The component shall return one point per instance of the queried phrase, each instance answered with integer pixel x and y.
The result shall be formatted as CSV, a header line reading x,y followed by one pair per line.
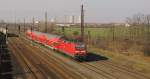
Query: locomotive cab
x,y
80,50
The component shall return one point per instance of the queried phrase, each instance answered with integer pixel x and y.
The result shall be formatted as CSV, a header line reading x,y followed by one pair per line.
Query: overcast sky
x,y
95,10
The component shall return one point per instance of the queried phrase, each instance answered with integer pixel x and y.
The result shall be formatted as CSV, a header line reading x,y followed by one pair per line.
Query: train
x,y
76,49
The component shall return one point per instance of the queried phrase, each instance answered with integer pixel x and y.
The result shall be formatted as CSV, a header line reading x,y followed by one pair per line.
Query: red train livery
x,y
55,42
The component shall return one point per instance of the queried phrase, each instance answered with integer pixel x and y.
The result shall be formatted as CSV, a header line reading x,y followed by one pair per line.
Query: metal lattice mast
x,y
82,23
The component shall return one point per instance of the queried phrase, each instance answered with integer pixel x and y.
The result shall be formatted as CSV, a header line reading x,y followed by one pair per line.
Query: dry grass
x,y
136,62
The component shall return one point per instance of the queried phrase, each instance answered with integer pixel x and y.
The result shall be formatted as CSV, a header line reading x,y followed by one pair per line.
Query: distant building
x,y
127,25
63,25
53,20
72,19
79,19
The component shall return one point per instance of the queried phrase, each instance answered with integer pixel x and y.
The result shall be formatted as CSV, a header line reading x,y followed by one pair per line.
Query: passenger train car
x,y
74,49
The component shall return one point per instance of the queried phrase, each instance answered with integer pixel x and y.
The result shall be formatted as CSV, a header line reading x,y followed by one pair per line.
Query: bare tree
x,y
129,20
147,18
136,19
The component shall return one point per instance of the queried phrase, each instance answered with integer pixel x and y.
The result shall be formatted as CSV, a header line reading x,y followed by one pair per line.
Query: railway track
x,y
123,69
115,72
66,68
31,71
127,69
24,64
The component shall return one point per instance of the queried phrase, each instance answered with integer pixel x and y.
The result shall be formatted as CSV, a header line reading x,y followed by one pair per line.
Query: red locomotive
x,y
74,49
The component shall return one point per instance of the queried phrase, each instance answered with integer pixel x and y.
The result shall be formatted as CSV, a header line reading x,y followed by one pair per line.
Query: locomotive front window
x,y
80,46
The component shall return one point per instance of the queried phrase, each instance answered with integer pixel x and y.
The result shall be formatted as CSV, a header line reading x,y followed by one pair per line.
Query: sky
x,y
95,10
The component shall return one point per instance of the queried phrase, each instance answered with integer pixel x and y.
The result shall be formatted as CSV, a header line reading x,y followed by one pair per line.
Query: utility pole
x,y
15,23
6,34
15,26
82,27
38,26
24,25
63,27
19,29
32,26
33,23
45,22
82,23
